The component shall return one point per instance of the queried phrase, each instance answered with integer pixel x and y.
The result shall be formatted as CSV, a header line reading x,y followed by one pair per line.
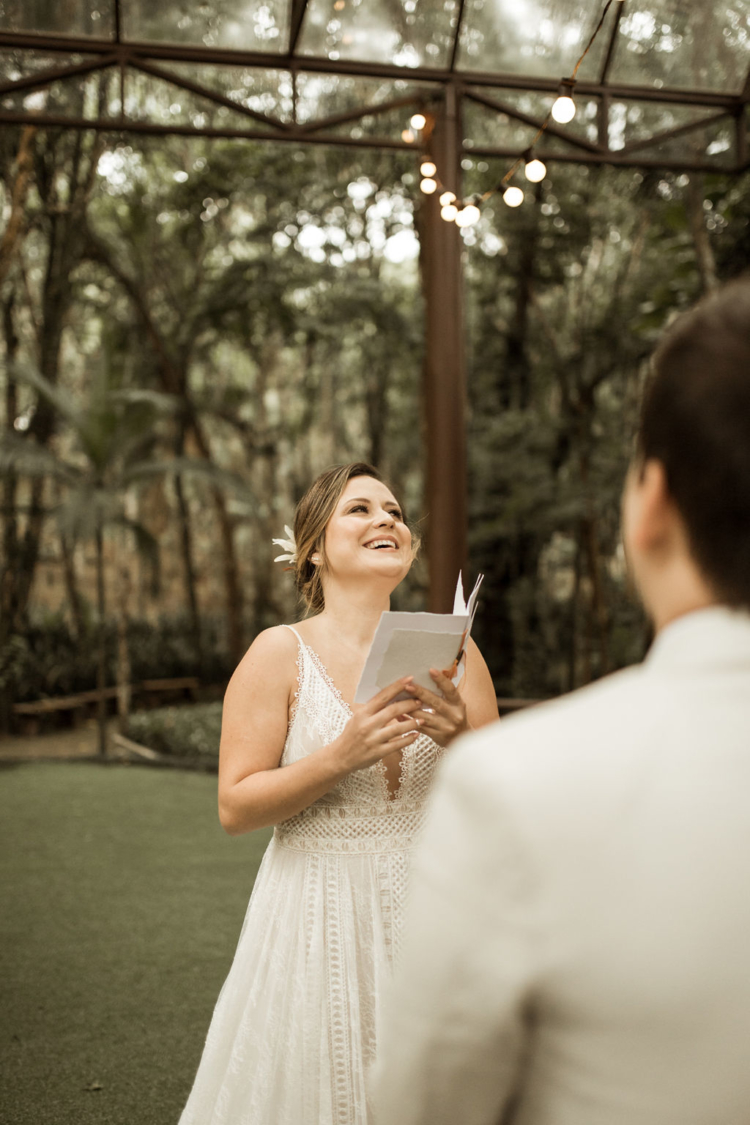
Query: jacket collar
x,y
706,638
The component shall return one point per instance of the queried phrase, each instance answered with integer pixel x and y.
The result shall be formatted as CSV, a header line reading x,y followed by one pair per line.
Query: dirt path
x,y
65,745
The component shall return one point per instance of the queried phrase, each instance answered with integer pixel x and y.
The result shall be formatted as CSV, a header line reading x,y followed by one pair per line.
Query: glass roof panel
x,y
631,122
404,32
68,17
265,91
93,96
322,95
148,98
541,38
683,43
240,25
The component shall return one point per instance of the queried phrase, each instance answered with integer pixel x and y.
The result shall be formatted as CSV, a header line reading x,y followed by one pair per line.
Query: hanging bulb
x,y
427,168
535,169
447,197
408,136
448,212
428,186
513,196
564,109
418,122
468,215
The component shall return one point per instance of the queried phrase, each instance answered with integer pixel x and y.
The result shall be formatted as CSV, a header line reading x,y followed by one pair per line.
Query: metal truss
x,y
431,87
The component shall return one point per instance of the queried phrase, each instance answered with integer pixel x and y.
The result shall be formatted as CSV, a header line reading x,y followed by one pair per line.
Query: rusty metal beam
x,y
299,7
56,74
457,36
446,476
124,125
344,67
534,122
619,9
204,92
669,134
353,115
610,158
120,125
745,95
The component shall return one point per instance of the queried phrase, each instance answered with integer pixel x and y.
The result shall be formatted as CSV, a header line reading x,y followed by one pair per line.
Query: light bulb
x,y
446,198
564,109
427,168
535,171
408,136
448,212
428,186
513,196
418,121
468,215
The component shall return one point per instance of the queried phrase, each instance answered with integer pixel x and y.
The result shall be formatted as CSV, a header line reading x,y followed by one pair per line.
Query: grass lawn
x,y
122,902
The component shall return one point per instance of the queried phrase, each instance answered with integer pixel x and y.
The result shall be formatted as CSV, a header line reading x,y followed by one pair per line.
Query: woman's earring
x,y
315,559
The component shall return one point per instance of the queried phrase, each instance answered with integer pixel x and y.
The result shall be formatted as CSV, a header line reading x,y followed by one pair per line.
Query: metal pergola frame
x,y
442,92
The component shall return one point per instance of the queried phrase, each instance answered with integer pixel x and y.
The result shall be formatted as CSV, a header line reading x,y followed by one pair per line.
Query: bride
x,y
296,1024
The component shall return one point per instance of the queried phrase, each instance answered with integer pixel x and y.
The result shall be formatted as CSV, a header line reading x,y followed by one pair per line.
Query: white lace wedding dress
x,y
296,1024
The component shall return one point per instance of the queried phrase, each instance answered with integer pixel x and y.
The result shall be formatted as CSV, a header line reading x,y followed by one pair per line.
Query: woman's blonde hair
x,y
310,521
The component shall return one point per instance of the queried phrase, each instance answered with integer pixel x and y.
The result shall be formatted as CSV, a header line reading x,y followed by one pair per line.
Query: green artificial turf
x,y
121,905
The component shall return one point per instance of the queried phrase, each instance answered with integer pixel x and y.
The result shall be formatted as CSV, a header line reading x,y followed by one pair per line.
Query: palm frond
x,y
147,546
22,455
63,402
190,466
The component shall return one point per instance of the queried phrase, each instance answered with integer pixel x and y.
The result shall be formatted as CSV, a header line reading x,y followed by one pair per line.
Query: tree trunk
x,y
71,588
186,547
13,233
704,254
124,671
101,669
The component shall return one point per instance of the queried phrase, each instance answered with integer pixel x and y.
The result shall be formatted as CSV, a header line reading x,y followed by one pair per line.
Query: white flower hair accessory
x,y
289,546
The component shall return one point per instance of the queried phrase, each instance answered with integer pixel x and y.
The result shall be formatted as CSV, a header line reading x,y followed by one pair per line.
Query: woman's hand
x,y
378,727
442,717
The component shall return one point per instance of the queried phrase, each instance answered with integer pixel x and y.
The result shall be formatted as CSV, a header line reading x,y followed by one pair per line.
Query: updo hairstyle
x,y
310,521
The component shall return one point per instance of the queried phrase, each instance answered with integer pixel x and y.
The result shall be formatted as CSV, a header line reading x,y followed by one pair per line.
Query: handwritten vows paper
x,y
409,644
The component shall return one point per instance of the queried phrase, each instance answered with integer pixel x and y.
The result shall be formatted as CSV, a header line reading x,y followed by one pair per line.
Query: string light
x,y
535,169
564,109
513,196
418,122
468,215
408,136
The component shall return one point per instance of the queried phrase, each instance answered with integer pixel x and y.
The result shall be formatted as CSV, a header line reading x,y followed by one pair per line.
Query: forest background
x,y
193,329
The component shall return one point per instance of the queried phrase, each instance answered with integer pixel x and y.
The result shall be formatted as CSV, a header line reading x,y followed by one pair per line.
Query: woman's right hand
x,y
378,727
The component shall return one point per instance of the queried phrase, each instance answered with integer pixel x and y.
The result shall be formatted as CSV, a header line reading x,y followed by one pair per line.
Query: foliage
x,y
273,296
191,733
50,660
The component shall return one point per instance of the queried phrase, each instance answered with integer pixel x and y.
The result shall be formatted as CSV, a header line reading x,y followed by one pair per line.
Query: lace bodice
x,y
359,814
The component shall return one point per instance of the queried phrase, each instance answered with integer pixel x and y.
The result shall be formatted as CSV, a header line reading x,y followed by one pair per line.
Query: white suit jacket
x,y
577,941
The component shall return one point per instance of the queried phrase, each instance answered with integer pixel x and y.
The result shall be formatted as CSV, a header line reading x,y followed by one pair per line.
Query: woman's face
x,y
366,536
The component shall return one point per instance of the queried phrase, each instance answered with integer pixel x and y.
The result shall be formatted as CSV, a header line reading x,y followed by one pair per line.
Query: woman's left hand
x,y
446,717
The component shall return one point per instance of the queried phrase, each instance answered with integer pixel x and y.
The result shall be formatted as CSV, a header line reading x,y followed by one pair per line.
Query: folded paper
x,y
409,644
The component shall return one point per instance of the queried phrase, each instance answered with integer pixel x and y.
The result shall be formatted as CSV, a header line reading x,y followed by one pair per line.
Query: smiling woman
x,y
296,1025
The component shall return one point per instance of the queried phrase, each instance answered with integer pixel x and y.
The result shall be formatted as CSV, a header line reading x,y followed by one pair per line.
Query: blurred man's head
x,y
686,510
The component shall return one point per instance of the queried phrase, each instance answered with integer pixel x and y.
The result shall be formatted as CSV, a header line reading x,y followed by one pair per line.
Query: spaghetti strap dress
x,y
296,1024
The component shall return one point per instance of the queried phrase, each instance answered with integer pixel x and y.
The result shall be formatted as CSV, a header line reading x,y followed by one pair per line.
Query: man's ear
x,y
655,509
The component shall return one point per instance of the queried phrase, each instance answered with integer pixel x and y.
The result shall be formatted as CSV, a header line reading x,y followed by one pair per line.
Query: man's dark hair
x,y
695,420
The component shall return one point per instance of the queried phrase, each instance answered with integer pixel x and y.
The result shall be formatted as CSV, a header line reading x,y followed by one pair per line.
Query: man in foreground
x,y
577,947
